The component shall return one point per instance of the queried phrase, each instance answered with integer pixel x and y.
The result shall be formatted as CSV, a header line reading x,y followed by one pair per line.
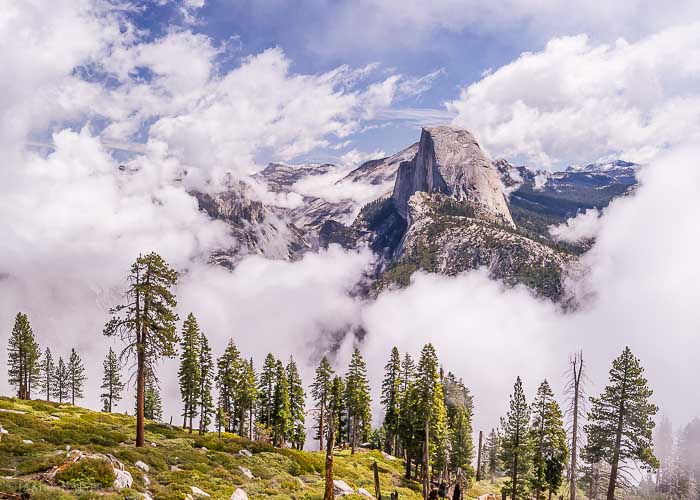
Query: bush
x,y
90,473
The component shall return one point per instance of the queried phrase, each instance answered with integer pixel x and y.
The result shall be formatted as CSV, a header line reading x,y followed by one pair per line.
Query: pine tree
x,y
391,393
358,399
23,353
205,401
266,390
430,408
248,391
663,450
461,444
549,449
335,406
493,446
281,416
111,382
411,430
48,370
320,391
515,443
76,376
60,382
620,422
189,373
297,403
153,405
146,323
227,378
460,408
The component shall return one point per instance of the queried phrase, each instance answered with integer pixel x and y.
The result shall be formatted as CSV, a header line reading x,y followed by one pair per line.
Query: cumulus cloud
x,y
582,227
412,25
584,101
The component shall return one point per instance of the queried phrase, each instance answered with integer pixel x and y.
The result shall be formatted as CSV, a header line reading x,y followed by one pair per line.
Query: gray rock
x,y
122,479
27,441
246,472
341,488
364,493
142,466
239,494
199,493
244,453
450,161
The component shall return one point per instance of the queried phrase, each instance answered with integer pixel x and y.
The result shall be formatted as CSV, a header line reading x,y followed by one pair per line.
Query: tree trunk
x,y
250,422
618,440
408,466
425,466
353,438
478,457
377,489
140,395
577,372
328,492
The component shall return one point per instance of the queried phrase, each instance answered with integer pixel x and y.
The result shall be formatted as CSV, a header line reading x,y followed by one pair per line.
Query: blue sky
x,y
455,44
302,29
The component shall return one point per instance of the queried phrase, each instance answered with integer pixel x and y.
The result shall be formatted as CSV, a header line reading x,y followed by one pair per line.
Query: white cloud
x,y
582,227
582,101
414,25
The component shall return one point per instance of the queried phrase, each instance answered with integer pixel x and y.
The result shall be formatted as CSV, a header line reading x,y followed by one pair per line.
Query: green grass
x,y
179,460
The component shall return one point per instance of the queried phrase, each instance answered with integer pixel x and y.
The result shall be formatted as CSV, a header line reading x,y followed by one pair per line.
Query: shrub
x,y
90,473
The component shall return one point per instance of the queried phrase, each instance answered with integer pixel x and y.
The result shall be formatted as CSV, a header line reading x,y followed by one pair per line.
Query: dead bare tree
x,y
575,412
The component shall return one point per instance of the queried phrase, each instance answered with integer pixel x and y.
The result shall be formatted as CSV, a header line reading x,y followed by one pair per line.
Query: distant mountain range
x,y
440,205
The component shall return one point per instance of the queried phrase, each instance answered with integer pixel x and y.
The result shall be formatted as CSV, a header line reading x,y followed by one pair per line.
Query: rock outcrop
x,y
449,161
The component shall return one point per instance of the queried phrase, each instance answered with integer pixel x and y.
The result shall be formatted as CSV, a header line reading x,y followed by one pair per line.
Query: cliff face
x,y
444,237
449,161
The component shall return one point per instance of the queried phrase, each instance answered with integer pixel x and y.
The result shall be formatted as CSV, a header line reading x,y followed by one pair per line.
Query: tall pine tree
x,y
205,401
620,422
335,405
76,376
153,405
248,391
60,382
281,415
266,390
23,357
48,370
492,448
146,323
516,446
358,399
549,449
297,403
112,384
430,408
227,378
189,373
320,391
460,407
391,396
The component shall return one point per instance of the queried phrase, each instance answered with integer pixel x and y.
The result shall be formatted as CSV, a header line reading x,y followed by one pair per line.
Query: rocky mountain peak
x,y
449,161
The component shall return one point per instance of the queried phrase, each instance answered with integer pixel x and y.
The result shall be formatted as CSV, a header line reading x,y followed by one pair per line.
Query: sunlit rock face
x,y
449,161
